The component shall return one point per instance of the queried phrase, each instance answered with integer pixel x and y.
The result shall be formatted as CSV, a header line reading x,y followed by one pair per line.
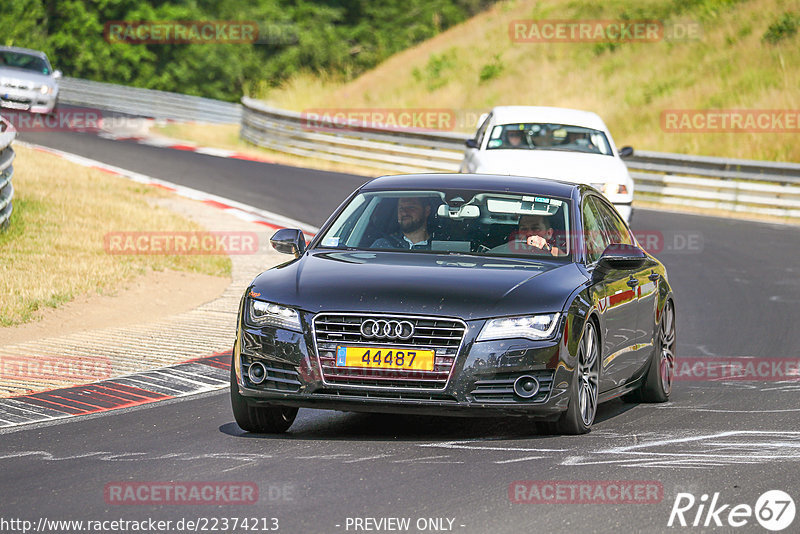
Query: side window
x,y
482,130
616,230
593,231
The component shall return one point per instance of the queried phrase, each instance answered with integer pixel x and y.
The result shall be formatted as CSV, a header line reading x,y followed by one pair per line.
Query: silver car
x,y
27,81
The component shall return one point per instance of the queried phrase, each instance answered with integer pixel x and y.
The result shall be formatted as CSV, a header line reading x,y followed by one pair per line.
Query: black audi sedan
x,y
457,294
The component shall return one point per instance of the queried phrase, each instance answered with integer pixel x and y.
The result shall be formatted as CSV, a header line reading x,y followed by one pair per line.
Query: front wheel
x,y
259,419
580,414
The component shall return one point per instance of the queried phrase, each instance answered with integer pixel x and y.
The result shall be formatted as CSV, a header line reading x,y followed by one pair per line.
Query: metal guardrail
x,y
759,187
387,149
146,102
748,186
704,182
7,135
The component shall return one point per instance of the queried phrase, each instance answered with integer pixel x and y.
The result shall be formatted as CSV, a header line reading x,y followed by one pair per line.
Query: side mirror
x,y
289,241
57,74
471,143
619,257
626,152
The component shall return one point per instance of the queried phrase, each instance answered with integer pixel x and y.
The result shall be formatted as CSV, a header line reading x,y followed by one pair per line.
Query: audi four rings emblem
x,y
390,329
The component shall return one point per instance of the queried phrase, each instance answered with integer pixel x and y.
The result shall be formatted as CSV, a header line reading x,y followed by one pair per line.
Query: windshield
x,y
453,221
538,136
20,60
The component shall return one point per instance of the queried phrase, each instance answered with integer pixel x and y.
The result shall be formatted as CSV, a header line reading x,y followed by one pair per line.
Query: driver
x,y
534,235
412,216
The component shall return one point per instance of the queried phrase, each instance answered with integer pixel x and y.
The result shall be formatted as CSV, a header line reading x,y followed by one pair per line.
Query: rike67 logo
x,y
774,510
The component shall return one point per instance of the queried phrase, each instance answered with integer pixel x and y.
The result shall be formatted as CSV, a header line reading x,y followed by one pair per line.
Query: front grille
x,y
442,335
280,376
16,99
500,388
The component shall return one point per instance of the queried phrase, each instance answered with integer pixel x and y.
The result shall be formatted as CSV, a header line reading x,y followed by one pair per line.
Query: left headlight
x,y
46,90
268,313
531,327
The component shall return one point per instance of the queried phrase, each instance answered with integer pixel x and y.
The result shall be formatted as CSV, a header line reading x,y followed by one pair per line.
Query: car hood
x,y
556,165
468,287
28,76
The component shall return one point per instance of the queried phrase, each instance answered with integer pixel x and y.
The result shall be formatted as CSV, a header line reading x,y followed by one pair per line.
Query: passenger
x,y
412,216
582,140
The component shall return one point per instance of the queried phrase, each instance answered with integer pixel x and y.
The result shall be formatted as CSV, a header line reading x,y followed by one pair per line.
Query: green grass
x,y
53,249
785,27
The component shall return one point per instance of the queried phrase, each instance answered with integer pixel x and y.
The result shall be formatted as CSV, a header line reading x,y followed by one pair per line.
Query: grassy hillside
x,y
748,57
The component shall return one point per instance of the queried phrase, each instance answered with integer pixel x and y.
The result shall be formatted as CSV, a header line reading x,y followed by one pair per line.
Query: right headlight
x,y
270,314
530,326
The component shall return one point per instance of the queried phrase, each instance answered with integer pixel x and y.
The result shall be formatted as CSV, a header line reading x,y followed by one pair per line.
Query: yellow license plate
x,y
385,358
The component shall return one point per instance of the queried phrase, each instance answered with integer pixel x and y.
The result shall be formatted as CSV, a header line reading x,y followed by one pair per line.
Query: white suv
x,y
555,143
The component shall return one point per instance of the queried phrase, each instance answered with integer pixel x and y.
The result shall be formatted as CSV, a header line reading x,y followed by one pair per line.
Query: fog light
x,y
257,373
526,386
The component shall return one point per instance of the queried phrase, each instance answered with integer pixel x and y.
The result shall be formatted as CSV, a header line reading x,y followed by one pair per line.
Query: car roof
x,y
476,182
29,51
548,115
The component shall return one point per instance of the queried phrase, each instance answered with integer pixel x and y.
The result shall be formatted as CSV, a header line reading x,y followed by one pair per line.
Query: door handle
x,y
654,277
633,282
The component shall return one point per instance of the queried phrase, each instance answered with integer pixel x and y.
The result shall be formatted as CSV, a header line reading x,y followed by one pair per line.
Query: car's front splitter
x,y
342,401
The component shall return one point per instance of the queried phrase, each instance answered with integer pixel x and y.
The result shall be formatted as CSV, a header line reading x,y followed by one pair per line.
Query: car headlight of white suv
x,y
611,188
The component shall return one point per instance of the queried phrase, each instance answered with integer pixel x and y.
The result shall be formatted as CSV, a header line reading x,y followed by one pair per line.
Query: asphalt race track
x,y
737,290
303,194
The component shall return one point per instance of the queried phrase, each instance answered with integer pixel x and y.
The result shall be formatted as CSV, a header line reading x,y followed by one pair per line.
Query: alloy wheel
x,y
588,375
667,341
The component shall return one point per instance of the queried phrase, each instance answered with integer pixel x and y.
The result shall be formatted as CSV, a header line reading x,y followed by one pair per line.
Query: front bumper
x,y
480,383
27,100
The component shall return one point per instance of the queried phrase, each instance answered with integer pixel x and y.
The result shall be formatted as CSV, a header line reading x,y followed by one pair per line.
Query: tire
x,y
657,386
259,419
579,416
